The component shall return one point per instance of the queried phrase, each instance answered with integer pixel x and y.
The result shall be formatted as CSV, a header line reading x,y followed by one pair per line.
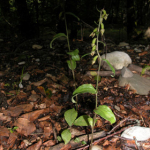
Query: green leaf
x,y
106,113
85,88
111,67
70,116
66,135
77,140
57,36
71,64
83,142
145,69
85,55
70,13
83,121
74,55
59,138
14,128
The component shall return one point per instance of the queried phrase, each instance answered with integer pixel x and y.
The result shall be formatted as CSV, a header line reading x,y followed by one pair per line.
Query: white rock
x,y
96,147
140,133
21,63
126,73
117,59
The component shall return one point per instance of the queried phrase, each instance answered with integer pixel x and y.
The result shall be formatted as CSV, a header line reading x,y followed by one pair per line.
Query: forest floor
x,y
32,117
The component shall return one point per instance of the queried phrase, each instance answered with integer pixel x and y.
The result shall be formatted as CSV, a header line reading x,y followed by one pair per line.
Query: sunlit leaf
x,y
82,121
85,88
106,113
70,116
66,135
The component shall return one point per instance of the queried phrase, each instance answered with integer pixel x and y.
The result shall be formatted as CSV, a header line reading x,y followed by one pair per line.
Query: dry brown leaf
x,y
34,97
40,82
49,143
34,114
12,139
25,127
54,108
16,111
36,146
143,53
4,131
44,118
48,131
5,118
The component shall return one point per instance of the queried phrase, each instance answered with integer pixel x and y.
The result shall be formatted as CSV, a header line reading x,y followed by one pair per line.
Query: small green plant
x,y
71,115
74,55
13,129
145,69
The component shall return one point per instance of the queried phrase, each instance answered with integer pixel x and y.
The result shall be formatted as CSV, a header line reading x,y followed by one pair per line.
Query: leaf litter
x,y
38,109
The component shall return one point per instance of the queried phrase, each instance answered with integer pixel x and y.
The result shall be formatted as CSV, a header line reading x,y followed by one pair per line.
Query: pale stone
x,y
117,59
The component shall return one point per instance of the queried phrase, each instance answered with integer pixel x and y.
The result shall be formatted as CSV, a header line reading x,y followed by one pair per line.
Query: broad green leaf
x,y
145,69
85,88
82,121
70,116
57,36
71,64
70,13
74,55
66,135
106,113
111,67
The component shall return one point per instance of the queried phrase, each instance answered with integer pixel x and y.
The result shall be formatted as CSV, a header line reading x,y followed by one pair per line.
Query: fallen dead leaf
x,y
36,146
16,111
25,127
49,143
4,131
34,114
5,118
48,131
34,97
143,53
12,139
